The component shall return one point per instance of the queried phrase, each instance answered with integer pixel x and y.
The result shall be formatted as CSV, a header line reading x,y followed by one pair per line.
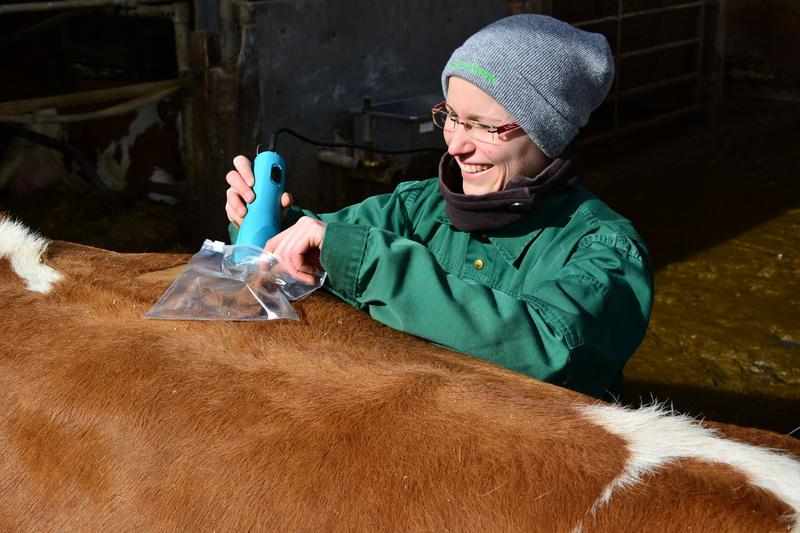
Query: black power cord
x,y
274,139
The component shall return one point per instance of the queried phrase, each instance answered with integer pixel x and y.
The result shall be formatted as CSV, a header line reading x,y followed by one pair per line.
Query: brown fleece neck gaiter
x,y
520,197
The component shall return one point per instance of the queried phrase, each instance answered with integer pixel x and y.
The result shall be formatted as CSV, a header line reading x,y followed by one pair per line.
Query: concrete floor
x,y
720,210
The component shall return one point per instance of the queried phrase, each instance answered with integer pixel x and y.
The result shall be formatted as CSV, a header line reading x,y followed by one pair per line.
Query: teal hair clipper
x,y
263,219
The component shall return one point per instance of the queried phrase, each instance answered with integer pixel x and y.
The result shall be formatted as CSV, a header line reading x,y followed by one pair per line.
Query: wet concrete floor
x,y
720,211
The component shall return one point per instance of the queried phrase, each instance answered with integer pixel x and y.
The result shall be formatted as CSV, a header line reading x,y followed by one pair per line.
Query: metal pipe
x,y
166,11
347,161
658,84
339,160
38,7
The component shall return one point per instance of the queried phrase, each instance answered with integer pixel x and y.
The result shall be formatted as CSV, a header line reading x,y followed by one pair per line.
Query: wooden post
x,y
718,61
246,78
215,126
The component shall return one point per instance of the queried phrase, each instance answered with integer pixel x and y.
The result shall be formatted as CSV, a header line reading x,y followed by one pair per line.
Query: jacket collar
x,y
513,240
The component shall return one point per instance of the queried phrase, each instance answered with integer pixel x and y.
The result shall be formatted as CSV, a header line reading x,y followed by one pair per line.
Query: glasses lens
x,y
442,119
475,130
480,132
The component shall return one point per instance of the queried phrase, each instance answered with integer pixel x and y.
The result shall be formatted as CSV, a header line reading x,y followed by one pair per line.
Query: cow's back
x,y
333,422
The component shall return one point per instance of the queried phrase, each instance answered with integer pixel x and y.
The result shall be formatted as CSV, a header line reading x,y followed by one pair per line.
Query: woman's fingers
x,y
300,272
298,248
240,193
289,251
286,201
234,200
235,207
237,183
245,169
233,217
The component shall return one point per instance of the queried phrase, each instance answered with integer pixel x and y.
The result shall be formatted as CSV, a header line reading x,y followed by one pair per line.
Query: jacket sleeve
x,y
577,329
385,211
598,307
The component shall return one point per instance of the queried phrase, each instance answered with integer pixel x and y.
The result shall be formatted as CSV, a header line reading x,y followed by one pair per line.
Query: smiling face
x,y
487,167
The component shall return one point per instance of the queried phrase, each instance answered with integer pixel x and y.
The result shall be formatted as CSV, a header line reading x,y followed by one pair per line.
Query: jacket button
x,y
478,264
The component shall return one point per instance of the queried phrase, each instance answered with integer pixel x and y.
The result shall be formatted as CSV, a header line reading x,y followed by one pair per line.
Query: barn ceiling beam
x,y
33,7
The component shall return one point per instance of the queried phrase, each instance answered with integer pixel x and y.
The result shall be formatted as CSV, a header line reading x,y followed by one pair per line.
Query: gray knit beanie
x,y
549,75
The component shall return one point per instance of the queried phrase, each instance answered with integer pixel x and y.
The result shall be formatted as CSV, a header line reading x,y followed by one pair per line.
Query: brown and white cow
x,y
333,423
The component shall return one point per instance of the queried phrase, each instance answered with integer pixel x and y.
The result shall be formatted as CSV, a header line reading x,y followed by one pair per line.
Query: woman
x,y
504,256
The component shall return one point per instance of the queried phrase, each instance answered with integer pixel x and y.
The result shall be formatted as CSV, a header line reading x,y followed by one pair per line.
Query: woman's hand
x,y
299,247
241,182
240,192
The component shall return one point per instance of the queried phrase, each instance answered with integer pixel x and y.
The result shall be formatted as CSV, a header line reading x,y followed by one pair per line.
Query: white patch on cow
x,y
113,172
24,249
162,176
656,437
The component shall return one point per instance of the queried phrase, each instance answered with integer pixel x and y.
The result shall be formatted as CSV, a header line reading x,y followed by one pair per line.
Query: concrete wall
x,y
318,58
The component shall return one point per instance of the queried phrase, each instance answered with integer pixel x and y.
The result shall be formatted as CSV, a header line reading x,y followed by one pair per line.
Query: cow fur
x,y
333,423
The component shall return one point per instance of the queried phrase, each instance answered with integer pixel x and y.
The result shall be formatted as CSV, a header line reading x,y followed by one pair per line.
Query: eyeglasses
x,y
447,120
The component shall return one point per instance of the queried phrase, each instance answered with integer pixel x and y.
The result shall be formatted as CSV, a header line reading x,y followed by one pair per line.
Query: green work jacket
x,y
563,295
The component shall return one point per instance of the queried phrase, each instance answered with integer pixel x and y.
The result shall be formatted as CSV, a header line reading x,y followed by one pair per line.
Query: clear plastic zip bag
x,y
232,282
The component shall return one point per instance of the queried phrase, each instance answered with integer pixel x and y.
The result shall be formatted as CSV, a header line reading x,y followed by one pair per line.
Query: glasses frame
x,y
494,130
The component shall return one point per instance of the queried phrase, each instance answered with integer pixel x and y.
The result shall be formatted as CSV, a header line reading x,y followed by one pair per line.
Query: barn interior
x,y
119,121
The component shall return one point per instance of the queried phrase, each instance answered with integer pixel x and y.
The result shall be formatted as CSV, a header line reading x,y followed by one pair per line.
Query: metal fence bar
x,y
592,22
659,84
638,125
665,9
617,94
640,13
660,47
617,67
